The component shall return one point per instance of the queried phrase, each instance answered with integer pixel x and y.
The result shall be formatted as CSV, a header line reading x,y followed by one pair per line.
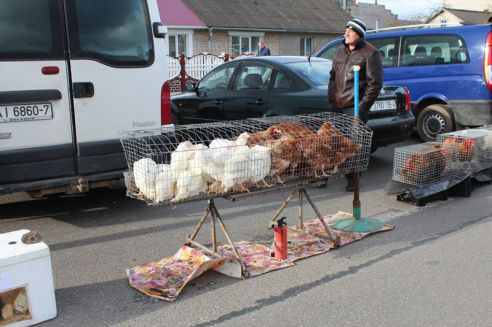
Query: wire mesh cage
x,y
422,165
202,161
469,149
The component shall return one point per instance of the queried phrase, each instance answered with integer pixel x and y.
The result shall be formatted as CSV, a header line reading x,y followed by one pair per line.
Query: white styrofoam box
x,y
29,266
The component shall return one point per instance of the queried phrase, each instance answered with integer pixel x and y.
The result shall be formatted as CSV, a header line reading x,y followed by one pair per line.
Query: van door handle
x,y
259,102
83,90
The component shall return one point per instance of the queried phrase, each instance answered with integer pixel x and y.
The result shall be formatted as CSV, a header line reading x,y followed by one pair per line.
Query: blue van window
x,y
30,29
388,49
433,50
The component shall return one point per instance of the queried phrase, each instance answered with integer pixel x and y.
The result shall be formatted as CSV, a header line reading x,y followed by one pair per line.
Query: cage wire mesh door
x,y
204,161
469,149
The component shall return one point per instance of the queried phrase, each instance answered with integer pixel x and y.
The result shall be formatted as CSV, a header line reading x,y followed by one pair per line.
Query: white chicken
x,y
180,158
242,139
237,169
144,174
260,163
164,185
220,150
190,183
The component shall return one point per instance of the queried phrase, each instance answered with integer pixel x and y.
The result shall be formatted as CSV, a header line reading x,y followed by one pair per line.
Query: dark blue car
x,y
448,71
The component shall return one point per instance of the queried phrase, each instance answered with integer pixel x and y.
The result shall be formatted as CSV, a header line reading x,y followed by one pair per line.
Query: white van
x,y
73,75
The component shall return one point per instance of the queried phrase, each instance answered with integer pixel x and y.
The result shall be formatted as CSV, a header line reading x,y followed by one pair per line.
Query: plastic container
x,y
27,294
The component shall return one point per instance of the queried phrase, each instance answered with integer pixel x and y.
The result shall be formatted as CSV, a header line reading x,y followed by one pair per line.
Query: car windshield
x,y
317,72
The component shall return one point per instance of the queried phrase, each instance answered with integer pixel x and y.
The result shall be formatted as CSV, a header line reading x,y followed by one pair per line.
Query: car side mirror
x,y
191,87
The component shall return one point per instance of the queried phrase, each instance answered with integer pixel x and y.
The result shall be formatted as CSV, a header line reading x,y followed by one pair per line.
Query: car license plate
x,y
25,112
383,105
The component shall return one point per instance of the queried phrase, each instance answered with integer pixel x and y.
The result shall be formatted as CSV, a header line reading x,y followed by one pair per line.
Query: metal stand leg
x,y
302,191
301,215
215,217
331,234
282,207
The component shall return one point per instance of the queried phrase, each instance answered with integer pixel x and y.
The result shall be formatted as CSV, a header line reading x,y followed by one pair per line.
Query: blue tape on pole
x,y
356,91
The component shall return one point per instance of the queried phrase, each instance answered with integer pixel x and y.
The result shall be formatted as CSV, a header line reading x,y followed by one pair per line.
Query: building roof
x,y
276,15
176,13
468,17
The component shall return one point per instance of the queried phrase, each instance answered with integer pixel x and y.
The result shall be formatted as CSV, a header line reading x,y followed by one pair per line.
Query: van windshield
x,y
114,32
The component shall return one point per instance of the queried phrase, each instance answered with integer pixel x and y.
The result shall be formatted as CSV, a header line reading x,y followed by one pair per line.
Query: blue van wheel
x,y
433,120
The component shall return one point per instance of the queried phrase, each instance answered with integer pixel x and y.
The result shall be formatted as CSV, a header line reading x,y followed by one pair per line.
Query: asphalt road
x,y
434,269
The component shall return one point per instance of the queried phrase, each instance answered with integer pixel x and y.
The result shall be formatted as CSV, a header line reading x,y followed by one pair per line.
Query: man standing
x,y
355,51
263,50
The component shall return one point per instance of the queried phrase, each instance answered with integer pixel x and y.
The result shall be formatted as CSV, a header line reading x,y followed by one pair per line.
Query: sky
x,y
407,9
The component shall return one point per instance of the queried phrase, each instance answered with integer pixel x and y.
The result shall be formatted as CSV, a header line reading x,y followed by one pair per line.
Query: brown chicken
x,y
296,129
286,155
327,129
466,149
424,167
457,148
272,133
318,154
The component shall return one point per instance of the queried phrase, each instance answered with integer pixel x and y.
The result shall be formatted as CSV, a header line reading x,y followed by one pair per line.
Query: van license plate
x,y
25,112
384,105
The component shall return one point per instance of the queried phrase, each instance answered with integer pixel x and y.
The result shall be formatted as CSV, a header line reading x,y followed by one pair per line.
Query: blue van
x,y
448,71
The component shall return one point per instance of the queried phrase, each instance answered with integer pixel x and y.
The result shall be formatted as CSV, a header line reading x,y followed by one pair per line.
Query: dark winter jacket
x,y
264,52
341,85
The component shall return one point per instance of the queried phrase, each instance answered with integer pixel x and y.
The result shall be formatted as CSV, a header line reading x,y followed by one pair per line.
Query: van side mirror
x,y
159,30
191,87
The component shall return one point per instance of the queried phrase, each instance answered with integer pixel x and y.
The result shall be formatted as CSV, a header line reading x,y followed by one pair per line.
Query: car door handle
x,y
259,102
219,101
83,90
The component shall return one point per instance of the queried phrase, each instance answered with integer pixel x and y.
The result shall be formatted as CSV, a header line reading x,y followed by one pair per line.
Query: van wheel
x,y
433,120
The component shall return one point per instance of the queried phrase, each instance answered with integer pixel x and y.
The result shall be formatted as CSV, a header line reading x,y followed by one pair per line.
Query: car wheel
x,y
174,119
433,120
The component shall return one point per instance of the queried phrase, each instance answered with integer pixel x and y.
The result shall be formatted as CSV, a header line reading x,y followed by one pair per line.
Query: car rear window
x,y
317,72
116,33
30,29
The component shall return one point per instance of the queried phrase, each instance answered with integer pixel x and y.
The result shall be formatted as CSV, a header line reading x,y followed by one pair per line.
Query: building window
x,y
306,46
244,44
177,44
444,22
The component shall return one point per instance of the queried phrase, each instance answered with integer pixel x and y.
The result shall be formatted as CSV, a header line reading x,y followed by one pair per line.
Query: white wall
x,y
478,5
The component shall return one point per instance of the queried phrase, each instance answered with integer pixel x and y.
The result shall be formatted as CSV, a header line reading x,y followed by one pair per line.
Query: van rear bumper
x,y
472,113
69,185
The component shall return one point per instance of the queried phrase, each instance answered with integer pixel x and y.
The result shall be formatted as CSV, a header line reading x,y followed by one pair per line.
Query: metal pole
x,y
357,224
356,202
301,215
